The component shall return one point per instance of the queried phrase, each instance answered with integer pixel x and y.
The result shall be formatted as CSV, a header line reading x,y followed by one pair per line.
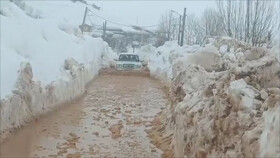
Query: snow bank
x,y
45,60
225,98
160,59
270,137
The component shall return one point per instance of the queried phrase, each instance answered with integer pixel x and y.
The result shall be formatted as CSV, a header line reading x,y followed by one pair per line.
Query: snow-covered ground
x,y
225,97
45,60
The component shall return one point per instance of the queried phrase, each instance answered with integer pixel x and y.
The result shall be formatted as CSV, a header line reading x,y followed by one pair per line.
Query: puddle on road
x,y
110,121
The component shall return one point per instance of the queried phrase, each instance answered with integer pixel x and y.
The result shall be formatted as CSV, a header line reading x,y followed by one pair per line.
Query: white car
x,y
128,62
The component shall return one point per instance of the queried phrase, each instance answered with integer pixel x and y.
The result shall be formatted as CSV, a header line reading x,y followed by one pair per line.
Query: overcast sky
x,y
146,12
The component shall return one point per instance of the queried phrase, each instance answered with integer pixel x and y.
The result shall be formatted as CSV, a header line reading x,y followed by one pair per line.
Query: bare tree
x,y
259,25
167,29
194,32
229,18
255,27
168,25
247,21
263,21
225,15
212,23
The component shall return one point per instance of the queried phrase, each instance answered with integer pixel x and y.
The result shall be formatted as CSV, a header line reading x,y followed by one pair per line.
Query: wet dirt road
x,y
110,121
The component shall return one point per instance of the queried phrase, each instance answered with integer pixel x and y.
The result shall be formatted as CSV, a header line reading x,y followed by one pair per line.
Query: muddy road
x,y
110,121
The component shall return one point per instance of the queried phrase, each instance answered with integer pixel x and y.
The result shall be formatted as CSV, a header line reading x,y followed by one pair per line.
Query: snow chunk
x,y
246,92
223,49
240,57
240,87
208,57
255,53
230,56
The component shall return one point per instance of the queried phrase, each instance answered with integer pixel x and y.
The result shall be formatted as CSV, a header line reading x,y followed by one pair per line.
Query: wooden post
x,y
104,30
84,20
179,29
183,27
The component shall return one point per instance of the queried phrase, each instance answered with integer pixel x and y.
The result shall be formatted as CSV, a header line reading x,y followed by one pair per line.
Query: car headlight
x,y
119,65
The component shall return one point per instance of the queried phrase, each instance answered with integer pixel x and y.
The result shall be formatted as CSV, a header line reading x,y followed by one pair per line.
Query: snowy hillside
x,y
45,41
45,60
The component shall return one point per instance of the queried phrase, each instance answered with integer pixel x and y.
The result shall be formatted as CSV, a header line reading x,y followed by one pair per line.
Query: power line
x,y
110,20
126,25
60,5
90,20
160,23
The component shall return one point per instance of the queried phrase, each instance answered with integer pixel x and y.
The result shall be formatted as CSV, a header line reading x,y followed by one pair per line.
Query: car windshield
x,y
129,57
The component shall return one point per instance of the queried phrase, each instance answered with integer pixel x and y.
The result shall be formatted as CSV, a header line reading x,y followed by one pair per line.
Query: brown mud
x,y
111,120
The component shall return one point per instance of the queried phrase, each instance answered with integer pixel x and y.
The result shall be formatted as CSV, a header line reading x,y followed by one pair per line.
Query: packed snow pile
x,y
45,60
160,59
225,98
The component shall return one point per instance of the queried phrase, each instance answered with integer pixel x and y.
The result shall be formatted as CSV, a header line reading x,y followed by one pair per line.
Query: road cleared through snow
x,y
110,121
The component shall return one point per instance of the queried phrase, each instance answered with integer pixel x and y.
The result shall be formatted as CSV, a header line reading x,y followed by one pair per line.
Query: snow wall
x,y
45,60
225,97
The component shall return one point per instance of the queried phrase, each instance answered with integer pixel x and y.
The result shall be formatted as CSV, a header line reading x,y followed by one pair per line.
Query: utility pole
x,y
104,30
229,18
84,20
183,27
179,29
247,22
